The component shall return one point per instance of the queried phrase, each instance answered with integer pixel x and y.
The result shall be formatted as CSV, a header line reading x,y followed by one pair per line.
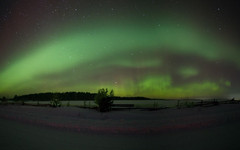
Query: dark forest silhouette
x,y
74,96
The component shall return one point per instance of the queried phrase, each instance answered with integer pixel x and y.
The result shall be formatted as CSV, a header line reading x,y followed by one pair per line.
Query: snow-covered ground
x,y
29,127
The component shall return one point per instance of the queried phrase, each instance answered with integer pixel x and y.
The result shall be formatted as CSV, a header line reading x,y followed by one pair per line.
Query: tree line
x,y
60,96
64,97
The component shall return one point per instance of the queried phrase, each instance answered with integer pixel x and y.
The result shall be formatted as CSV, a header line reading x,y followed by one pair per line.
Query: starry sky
x,y
152,48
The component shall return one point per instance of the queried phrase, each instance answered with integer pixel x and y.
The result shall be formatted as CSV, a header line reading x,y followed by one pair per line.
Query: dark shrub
x,y
4,101
104,100
55,103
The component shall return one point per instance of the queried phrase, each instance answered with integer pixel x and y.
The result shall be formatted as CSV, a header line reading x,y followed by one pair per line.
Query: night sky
x,y
151,48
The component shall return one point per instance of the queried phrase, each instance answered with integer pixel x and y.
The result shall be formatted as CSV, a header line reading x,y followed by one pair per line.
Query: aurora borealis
x,y
156,49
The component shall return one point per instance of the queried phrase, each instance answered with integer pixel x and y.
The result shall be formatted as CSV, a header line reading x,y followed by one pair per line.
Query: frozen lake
x,y
137,103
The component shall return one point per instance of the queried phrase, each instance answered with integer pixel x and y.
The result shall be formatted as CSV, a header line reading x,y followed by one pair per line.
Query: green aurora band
x,y
119,56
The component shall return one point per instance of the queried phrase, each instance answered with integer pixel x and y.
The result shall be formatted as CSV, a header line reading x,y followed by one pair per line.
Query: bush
x,y
185,104
155,105
22,102
68,104
189,104
55,103
4,101
104,100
